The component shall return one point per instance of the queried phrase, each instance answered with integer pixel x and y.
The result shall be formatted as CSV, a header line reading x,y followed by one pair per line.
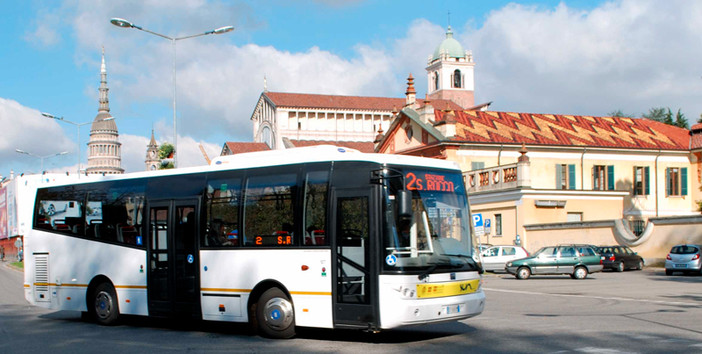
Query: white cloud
x,y
26,129
629,55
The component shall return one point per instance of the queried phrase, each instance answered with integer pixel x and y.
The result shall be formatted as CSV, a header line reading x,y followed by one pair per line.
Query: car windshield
x,y
436,232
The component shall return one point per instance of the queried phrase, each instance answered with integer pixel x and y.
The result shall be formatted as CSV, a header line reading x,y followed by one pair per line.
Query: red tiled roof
x,y
361,146
305,100
239,147
566,130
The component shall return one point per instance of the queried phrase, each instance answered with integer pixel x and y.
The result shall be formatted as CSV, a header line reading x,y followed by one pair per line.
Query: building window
x,y
477,165
676,181
498,224
575,217
565,176
436,80
457,79
637,226
641,176
603,178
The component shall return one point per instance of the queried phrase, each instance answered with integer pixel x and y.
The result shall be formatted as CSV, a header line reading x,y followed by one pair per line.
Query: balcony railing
x,y
498,177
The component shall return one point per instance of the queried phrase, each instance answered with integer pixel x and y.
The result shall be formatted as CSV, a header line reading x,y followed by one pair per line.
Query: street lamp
x,y
41,157
78,125
120,22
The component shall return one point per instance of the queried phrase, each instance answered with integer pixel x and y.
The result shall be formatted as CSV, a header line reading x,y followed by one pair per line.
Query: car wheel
x,y
668,272
580,273
105,309
275,316
523,273
639,265
620,267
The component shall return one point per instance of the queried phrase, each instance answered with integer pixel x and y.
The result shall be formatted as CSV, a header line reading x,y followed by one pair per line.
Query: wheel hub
x,y
278,313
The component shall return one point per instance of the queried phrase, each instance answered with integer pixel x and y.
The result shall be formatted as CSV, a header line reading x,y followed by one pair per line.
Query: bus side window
x,y
316,187
268,213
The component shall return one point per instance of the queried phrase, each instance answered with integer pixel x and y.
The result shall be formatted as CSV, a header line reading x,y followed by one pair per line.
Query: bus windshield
x,y
435,234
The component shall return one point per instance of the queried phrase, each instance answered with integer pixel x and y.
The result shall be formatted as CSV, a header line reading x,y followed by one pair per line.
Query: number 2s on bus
x,y
321,237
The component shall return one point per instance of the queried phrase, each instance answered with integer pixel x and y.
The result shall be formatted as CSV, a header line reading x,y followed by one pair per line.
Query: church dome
x,y
102,123
450,46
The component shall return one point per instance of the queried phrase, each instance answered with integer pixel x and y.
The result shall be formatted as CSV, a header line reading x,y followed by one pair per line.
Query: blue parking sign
x,y
477,220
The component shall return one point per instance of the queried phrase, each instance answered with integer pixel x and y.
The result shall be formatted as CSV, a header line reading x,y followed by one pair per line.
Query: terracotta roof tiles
x,y
566,130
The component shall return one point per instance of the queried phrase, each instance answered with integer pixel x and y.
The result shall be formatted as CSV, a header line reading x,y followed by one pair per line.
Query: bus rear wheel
x,y
105,309
275,316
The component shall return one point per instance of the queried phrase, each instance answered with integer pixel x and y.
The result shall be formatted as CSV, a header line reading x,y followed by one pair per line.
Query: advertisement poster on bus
x,y
12,224
3,214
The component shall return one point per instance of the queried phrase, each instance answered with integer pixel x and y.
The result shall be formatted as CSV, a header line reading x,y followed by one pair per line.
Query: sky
x,y
562,57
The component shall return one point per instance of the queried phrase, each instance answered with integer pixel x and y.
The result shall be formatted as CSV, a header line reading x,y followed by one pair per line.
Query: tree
x,y
165,151
619,113
680,120
665,115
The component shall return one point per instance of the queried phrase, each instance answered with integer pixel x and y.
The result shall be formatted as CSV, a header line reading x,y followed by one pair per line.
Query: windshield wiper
x,y
427,272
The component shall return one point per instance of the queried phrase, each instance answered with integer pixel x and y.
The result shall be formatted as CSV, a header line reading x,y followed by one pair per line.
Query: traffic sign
x,y
478,225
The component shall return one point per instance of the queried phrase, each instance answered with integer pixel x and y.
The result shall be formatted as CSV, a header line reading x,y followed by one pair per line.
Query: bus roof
x,y
311,154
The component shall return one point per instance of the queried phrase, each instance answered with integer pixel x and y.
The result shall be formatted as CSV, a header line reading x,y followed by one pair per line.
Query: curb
x,y
10,266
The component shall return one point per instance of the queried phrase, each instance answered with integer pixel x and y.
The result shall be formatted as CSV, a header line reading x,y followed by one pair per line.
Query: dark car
x,y
620,258
575,260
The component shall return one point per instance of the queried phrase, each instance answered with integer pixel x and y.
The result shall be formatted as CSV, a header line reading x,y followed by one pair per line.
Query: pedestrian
x,y
2,253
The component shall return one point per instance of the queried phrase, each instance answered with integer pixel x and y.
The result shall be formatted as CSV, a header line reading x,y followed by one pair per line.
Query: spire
x,y
104,102
153,140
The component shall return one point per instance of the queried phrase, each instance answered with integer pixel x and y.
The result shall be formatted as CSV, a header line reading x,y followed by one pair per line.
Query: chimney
x,y
426,114
411,94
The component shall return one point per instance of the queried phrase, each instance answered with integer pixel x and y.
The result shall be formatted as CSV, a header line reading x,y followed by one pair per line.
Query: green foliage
x,y
165,151
619,113
680,120
665,115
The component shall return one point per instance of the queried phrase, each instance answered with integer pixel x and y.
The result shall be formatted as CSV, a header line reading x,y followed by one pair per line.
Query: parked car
x,y
683,258
576,260
483,246
495,257
620,258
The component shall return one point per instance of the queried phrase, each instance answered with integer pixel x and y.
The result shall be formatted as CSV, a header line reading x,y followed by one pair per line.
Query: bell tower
x,y
450,73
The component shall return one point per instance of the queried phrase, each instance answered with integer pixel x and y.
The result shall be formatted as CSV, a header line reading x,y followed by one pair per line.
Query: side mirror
x,y
404,204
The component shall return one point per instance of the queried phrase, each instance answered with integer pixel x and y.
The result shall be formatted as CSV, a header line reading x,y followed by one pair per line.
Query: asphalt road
x,y
631,312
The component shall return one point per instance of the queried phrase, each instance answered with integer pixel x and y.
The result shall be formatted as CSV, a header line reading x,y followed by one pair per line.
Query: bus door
x,y
173,278
355,283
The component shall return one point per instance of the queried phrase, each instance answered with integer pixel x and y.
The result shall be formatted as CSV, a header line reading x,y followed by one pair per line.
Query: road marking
x,y
662,302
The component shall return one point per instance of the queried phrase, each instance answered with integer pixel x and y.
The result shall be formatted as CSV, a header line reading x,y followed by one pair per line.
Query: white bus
x,y
322,237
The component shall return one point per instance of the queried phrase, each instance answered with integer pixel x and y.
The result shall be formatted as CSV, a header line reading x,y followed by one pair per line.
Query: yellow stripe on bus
x,y
224,290
310,293
86,285
447,289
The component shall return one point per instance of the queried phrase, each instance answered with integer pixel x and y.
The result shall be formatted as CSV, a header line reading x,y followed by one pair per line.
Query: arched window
x,y
267,137
457,79
436,80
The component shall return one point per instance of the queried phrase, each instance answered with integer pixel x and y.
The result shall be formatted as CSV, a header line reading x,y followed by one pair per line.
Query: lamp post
x,y
78,125
41,157
120,22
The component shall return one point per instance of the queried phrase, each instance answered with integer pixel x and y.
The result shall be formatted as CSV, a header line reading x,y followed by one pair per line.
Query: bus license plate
x,y
681,266
452,309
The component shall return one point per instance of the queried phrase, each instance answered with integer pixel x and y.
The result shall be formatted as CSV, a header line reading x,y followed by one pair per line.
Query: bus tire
x,y
104,305
275,316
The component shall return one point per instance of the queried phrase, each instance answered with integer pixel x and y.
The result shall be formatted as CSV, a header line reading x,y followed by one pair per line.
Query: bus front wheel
x,y
105,309
275,315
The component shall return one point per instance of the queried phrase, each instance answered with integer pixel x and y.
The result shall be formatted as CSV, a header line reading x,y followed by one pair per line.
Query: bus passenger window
x,y
316,187
268,211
